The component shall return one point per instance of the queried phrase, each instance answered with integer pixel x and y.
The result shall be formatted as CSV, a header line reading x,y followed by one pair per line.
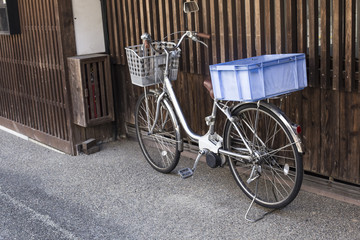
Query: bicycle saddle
x,y
208,85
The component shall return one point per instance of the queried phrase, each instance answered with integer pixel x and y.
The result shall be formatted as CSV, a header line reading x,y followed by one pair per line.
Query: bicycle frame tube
x,y
178,111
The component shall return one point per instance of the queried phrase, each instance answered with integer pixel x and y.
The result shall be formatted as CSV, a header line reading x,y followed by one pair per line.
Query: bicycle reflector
x,y
297,128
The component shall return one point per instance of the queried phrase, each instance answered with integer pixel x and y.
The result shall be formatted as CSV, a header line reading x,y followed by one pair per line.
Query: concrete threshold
x,y
19,135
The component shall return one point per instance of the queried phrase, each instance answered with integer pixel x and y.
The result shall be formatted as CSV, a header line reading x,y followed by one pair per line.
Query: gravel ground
x,y
115,194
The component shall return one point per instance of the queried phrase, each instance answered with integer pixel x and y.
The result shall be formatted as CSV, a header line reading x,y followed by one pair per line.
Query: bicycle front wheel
x,y
159,146
274,175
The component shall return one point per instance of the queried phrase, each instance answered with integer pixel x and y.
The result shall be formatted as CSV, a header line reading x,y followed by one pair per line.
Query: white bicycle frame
x,y
211,141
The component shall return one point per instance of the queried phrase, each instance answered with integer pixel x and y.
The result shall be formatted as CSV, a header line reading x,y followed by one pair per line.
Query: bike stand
x,y
252,203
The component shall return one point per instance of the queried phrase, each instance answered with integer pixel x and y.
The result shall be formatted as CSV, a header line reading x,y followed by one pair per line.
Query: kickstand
x,y
251,204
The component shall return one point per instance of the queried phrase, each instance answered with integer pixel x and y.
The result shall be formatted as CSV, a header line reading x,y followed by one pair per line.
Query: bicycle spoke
x,y
274,156
160,145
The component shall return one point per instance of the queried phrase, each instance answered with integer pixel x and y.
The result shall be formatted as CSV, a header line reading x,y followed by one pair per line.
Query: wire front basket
x,y
147,66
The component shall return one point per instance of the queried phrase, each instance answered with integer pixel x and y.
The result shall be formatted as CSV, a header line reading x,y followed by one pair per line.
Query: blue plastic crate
x,y
256,78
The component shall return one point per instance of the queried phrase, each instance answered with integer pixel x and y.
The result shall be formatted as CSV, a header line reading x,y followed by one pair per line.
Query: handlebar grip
x,y
203,35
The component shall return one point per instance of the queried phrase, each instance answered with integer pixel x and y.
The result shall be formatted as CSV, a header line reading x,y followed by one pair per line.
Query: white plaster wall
x,y
88,23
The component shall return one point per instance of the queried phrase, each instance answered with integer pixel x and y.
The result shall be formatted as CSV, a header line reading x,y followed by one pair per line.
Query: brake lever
x,y
195,38
199,41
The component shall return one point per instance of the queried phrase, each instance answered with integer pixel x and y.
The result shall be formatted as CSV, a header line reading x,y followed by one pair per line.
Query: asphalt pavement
x,y
115,194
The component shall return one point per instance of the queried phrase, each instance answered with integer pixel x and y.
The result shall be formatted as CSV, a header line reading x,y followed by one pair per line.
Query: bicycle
x,y
260,144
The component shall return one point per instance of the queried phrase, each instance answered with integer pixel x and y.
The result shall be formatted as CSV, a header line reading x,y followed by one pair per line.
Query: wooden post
x,y
66,38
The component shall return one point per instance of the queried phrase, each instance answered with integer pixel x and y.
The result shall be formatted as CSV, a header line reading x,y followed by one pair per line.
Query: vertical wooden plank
x,y
214,31
142,16
89,86
269,27
49,87
110,25
137,20
109,88
125,14
184,46
149,19
199,48
250,28
206,28
259,27
168,19
2,83
102,86
97,96
6,84
155,15
311,126
348,166
8,100
2,90
66,49
39,78
21,89
162,21
357,53
291,24
33,75
44,28
231,25
56,72
121,15
330,135
27,66
301,26
325,43
175,19
223,31
19,107
191,44
314,44
279,26
52,63
43,69
241,29
349,45
337,82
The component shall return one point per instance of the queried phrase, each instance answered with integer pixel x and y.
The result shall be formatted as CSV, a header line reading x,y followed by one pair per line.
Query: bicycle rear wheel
x,y
276,167
160,147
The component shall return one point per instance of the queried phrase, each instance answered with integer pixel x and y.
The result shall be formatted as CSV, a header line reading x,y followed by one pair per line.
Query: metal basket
x,y
147,66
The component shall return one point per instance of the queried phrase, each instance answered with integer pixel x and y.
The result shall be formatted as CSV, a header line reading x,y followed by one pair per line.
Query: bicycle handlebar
x,y
203,35
190,34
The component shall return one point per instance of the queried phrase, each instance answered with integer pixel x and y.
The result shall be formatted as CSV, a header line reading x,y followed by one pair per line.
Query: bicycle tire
x,y
281,167
160,147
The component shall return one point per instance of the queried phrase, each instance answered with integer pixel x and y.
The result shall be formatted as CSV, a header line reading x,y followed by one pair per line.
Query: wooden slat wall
x,y
329,110
32,75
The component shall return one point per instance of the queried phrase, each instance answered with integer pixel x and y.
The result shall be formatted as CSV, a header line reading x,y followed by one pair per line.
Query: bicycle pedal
x,y
185,172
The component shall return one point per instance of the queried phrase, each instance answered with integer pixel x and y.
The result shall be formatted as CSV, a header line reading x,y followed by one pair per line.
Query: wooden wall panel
x,y
33,73
313,43
325,44
349,45
327,109
337,45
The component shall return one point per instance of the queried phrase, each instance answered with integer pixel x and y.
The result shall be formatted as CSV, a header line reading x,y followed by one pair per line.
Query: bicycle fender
x,y
287,123
177,126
